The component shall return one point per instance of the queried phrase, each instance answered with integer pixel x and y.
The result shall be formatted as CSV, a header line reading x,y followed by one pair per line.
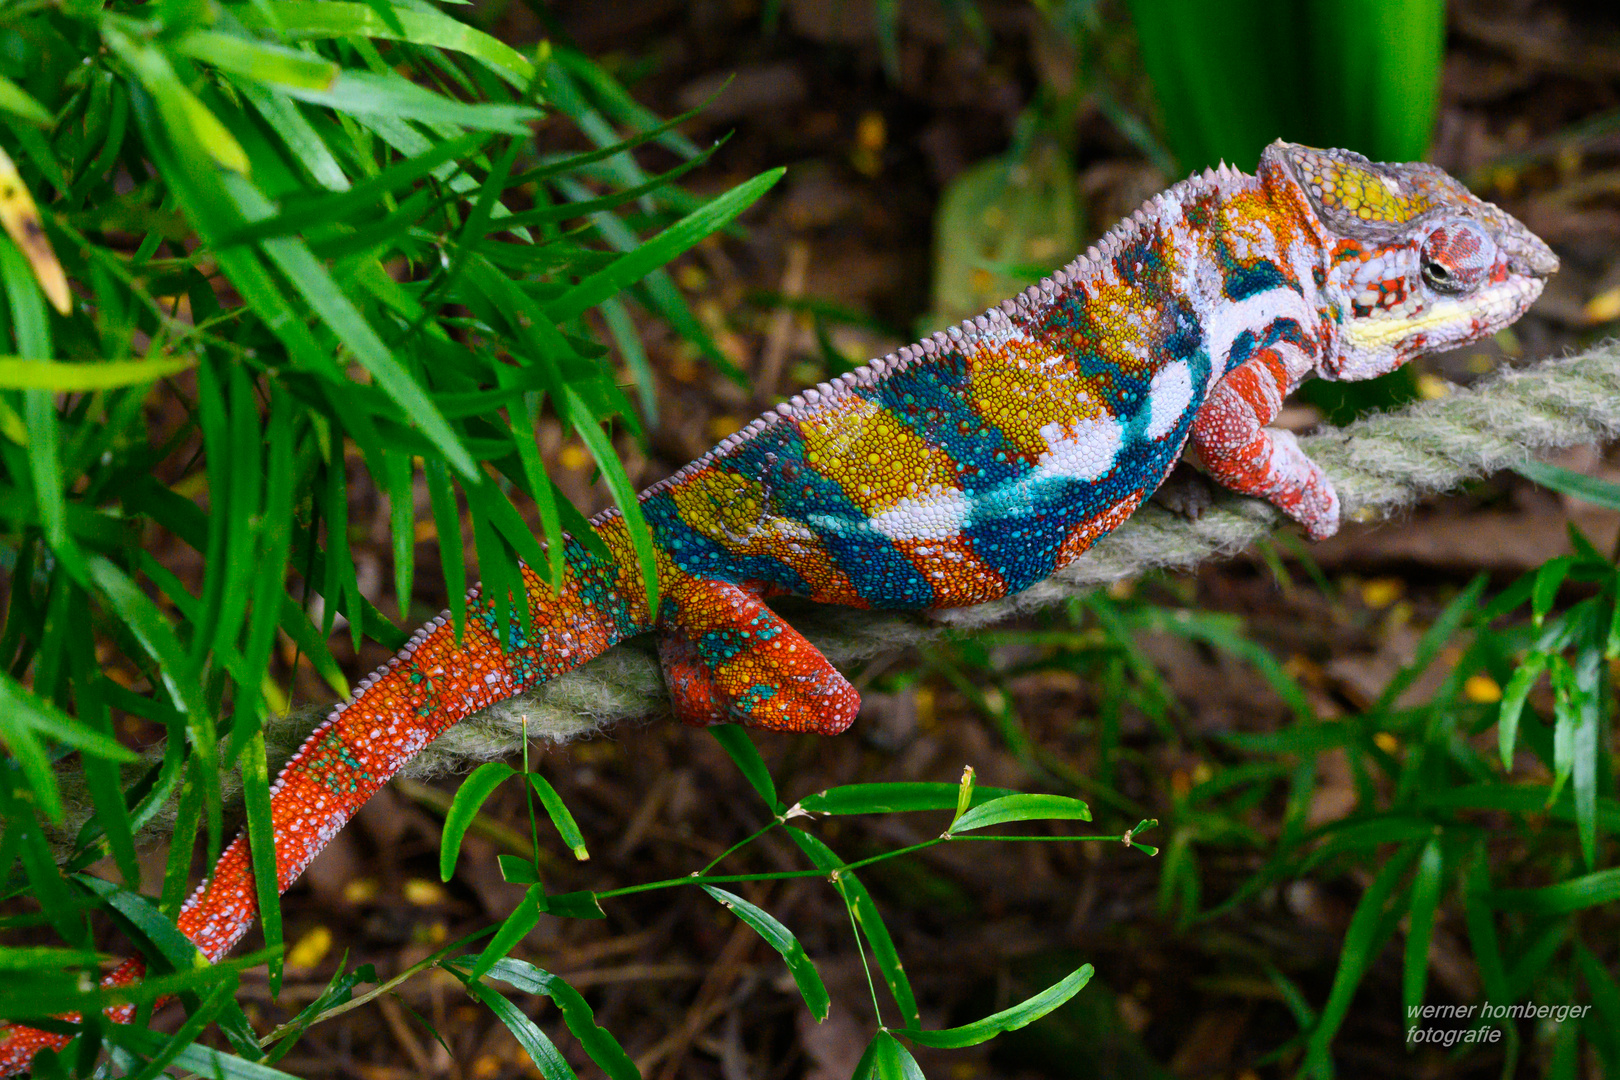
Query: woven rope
x,y
1378,464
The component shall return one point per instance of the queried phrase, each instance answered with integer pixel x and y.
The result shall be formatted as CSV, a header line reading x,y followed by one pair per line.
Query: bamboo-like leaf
x,y
390,96
780,938
1420,930
679,237
452,560
558,812
895,798
21,104
44,878
266,63
1022,808
602,1047
523,918
100,773
869,919
624,493
304,19
200,1060
886,1059
1362,939
1514,695
1569,482
62,377
541,1050
470,798
1011,1019
745,755
183,112
261,829
179,677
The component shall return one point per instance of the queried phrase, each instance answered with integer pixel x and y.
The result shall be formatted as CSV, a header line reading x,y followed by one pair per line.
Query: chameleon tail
x,y
431,684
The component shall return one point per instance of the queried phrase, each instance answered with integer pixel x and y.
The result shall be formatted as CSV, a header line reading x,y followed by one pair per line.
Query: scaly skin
x,y
961,469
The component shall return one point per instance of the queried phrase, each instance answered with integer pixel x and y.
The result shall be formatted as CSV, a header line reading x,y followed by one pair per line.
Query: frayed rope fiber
x,y
1378,464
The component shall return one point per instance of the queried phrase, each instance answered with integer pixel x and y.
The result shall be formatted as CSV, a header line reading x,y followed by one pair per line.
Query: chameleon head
x,y
1412,261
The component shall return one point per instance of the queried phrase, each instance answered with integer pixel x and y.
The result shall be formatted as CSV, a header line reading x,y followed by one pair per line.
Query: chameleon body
x,y
954,471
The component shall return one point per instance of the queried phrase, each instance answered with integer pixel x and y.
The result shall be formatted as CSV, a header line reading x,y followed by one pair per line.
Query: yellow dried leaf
x,y
20,218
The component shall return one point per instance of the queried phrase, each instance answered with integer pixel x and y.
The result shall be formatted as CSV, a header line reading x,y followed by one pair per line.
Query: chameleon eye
x,y
1457,257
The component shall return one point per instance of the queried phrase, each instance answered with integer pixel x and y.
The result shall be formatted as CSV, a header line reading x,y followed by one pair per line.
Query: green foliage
x,y
313,246
1232,77
1514,842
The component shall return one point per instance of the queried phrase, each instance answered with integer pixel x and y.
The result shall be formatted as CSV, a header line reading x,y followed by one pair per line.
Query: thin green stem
x,y
745,841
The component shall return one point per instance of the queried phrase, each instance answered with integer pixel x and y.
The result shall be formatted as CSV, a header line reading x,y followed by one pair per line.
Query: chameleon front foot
x,y
728,658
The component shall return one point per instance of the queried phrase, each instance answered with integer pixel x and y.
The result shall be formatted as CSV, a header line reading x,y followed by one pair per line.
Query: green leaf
x,y
1604,1029
1420,930
100,773
624,493
24,718
1569,482
1021,808
679,237
1588,677
557,811
177,674
200,1060
1574,894
261,831
541,1050
600,1044
1549,579
24,958
189,1030
780,938
523,918
183,112
745,755
1514,695
180,951
575,905
44,878
19,103
421,26
273,64
1362,939
964,794
332,305
886,1059
868,919
363,93
315,212
1011,1019
69,378
470,797
894,798
516,870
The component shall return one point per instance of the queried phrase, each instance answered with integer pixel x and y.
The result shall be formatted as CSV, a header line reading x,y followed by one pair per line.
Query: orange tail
x,y
398,710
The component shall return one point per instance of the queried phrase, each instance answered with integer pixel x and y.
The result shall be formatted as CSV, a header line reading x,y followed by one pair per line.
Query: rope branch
x,y
1379,464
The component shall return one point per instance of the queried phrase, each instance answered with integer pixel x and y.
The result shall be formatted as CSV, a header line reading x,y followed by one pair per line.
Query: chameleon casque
x,y
958,470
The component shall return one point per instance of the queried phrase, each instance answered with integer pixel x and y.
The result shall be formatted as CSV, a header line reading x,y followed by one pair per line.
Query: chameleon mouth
x,y
1446,322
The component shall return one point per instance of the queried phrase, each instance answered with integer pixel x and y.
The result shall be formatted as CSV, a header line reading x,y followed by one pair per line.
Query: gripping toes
x,y
1299,487
730,659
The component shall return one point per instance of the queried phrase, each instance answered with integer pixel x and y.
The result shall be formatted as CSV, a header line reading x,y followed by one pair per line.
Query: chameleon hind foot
x,y
728,658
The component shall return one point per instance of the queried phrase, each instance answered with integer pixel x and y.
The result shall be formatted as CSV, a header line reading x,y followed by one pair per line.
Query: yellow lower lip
x,y
1489,308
